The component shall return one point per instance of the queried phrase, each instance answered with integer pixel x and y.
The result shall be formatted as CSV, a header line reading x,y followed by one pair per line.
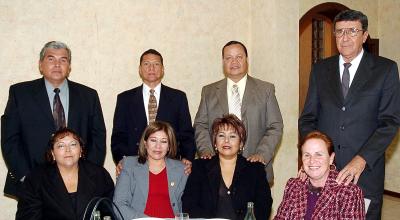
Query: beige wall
x,y
107,39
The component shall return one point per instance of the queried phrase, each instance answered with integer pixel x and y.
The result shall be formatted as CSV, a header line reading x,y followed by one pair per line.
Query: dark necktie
x,y
58,111
346,79
152,107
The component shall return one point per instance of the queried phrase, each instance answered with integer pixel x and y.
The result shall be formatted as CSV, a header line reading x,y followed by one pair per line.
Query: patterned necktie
x,y
58,111
236,104
346,79
152,107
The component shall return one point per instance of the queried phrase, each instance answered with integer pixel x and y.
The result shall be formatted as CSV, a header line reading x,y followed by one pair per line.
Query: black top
x,y
73,197
225,206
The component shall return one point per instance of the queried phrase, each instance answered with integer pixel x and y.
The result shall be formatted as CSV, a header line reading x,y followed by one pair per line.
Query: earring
x,y
332,167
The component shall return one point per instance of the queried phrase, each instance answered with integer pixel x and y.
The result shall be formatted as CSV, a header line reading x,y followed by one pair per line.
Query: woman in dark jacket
x,y
61,189
222,186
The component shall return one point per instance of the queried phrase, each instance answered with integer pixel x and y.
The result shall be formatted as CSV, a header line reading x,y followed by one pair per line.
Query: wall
x,y
107,39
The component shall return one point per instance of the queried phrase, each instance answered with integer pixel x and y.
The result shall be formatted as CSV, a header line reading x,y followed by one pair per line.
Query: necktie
x,y
58,111
152,107
236,104
346,79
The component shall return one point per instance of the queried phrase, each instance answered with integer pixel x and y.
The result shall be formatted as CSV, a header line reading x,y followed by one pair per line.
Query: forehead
x,y
66,137
56,52
348,24
160,134
226,128
234,49
314,145
151,57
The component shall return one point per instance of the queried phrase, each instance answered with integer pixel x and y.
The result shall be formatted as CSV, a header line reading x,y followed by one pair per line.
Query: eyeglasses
x,y
64,146
352,32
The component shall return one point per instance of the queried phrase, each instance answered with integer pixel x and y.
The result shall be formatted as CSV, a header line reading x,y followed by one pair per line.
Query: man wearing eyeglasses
x,y
354,98
151,101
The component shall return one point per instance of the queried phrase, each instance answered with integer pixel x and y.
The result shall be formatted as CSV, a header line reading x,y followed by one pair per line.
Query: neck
x,y
152,85
236,79
320,182
227,161
155,166
66,171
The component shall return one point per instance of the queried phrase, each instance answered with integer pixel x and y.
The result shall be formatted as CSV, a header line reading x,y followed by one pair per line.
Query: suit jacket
x,y
260,115
200,198
335,202
27,125
365,122
43,195
130,121
132,186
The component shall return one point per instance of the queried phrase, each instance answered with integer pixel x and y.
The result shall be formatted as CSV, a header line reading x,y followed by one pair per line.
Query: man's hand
x,y
256,158
302,174
118,168
188,166
352,171
205,155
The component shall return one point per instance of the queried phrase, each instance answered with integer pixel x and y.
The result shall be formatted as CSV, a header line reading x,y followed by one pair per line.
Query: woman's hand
x,y
302,174
256,158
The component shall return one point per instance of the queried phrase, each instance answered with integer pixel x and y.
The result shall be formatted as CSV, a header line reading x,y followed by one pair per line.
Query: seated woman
x,y
152,183
61,189
222,186
320,196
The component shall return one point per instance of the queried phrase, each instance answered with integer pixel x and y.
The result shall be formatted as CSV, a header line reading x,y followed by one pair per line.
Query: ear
x,y
365,36
52,154
40,67
331,158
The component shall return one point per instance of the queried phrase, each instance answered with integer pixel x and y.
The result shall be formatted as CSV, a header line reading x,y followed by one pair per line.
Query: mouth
x,y
314,167
226,147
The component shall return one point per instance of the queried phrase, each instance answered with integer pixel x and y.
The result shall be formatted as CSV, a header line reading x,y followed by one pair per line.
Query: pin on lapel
x,y
172,183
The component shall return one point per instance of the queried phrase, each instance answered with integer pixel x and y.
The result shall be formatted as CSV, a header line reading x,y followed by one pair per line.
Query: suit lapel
x,y
86,188
60,191
333,77
173,179
163,104
214,178
222,96
73,109
363,74
136,107
141,172
42,99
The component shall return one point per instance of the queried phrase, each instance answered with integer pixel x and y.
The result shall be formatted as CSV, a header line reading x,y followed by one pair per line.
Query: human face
x,y
55,66
157,146
228,142
151,70
235,62
316,161
349,47
67,151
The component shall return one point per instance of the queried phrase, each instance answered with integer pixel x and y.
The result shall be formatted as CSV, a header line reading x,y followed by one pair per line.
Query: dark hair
x,y
318,135
151,51
152,128
352,15
55,45
229,120
232,43
61,133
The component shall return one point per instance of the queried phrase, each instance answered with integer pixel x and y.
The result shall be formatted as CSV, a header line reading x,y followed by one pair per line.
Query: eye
x,y
60,145
233,136
164,141
153,140
64,60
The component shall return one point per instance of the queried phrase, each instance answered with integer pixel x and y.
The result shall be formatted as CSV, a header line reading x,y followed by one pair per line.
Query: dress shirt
x,y
146,96
64,96
353,68
242,86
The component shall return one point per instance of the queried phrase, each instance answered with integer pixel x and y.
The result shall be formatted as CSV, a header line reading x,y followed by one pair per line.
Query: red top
x,y
158,203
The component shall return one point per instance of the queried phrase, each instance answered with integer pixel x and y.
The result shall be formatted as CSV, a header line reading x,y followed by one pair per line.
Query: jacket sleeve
x,y
119,137
285,207
274,127
263,201
388,119
11,138
185,132
125,191
97,148
201,126
309,117
30,203
352,203
191,198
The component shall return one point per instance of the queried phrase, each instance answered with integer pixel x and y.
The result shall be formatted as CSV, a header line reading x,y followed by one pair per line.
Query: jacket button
x,y
342,127
343,108
173,204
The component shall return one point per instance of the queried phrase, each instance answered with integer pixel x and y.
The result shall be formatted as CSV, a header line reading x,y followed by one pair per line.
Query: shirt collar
x,y
241,84
355,61
146,89
50,88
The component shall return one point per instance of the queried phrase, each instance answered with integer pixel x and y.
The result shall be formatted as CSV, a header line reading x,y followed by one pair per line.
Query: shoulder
x,y
214,85
92,169
259,83
173,91
27,84
130,92
130,162
81,87
379,60
294,183
176,164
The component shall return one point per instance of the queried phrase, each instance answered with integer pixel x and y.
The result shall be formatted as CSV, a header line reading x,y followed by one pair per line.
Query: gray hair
x,y
352,15
55,45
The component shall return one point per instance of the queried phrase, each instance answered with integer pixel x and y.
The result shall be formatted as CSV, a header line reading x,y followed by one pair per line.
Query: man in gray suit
x,y
251,99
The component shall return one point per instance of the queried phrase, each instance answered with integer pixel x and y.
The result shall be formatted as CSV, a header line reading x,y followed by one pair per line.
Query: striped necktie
x,y
236,104
152,107
346,79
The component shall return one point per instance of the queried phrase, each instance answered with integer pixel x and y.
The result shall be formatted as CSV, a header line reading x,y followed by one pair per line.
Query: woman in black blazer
x,y
222,186
61,189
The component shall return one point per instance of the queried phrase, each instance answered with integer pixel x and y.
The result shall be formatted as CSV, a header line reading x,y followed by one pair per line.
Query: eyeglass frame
x,y
351,32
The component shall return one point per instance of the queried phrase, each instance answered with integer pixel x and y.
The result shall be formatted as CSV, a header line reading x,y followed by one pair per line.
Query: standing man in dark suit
x,y
250,99
36,109
151,101
354,98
